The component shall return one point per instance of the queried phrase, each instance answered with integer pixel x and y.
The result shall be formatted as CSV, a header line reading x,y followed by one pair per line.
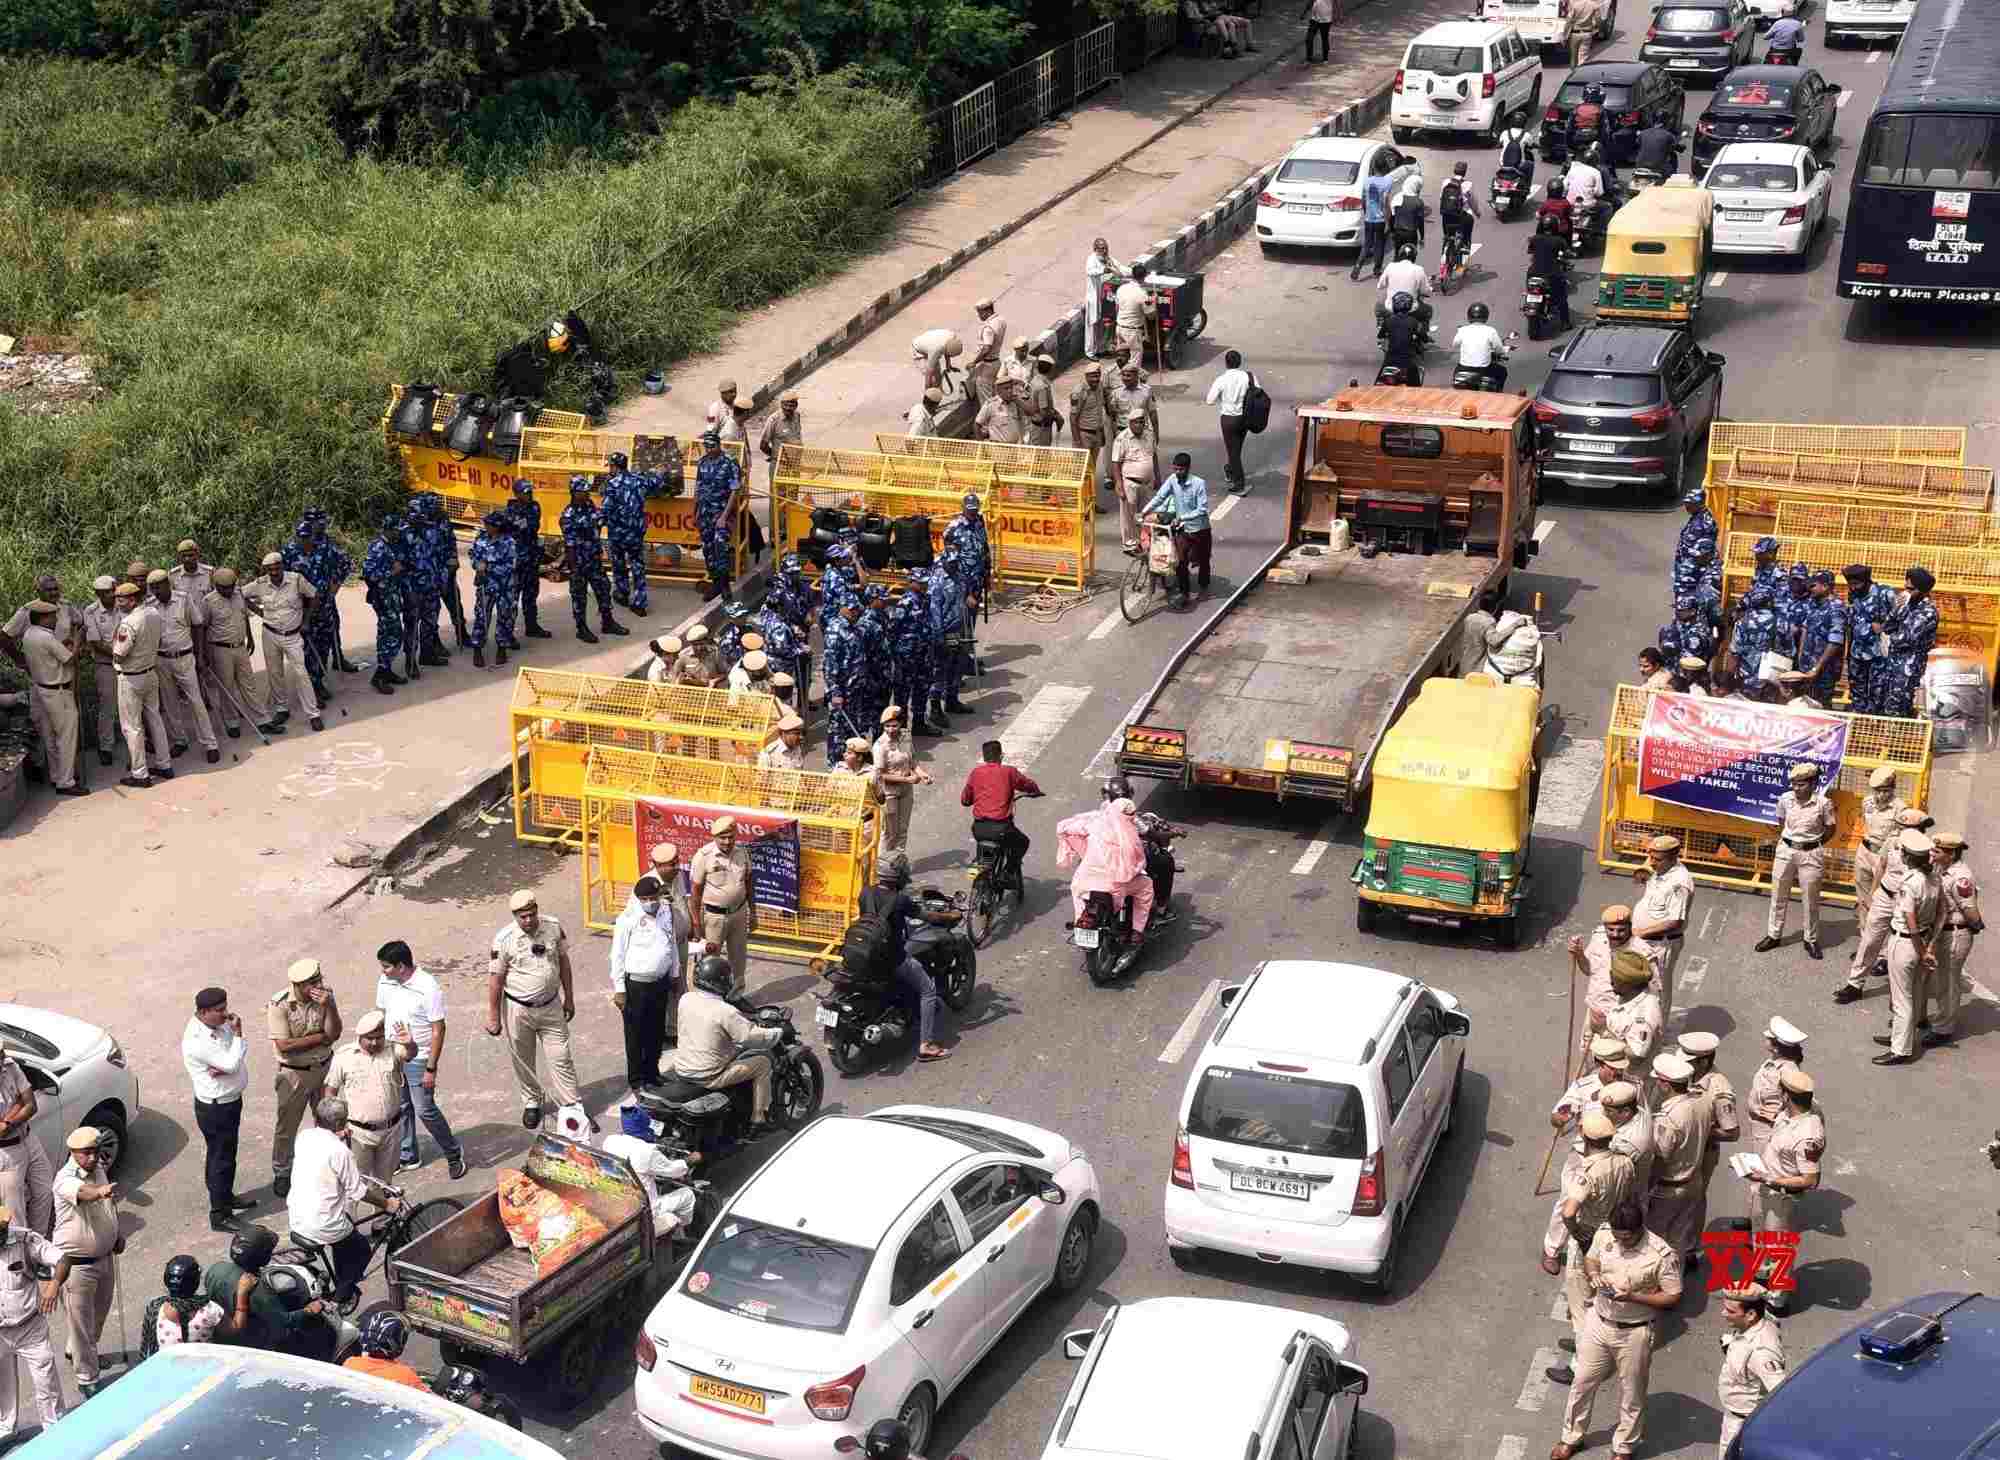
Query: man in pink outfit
x,y
1109,857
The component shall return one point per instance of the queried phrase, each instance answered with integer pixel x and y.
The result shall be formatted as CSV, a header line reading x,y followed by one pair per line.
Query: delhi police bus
x,y
1923,210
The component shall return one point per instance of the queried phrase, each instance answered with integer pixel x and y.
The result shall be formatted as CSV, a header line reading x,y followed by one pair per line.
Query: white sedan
x,y
1770,197
1314,198
79,1077
1766,11
859,1276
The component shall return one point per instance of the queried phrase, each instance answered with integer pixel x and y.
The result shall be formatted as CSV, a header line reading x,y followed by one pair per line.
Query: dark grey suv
x,y
1624,407
1700,38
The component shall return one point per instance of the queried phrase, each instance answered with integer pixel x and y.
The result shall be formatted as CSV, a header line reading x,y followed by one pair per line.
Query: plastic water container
x,y
1341,538
1957,699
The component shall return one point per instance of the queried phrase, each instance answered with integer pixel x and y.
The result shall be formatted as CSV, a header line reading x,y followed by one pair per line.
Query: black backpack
x,y
867,945
1256,407
1511,158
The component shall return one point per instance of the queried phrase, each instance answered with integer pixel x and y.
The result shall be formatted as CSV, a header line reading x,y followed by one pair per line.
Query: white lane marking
x,y
1844,1168
1191,1026
1228,506
1845,98
1545,529
1687,983
1309,858
1569,784
1512,1447
1706,918
1535,191
1718,279
1041,720
1559,1309
1873,57
1103,630
1100,762
1535,1392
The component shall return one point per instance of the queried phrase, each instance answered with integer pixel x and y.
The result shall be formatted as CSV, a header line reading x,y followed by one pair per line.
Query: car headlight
x,y
116,1055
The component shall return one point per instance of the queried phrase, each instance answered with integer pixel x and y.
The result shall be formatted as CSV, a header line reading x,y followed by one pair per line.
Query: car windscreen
x,y
1756,177
1615,96
1600,389
1687,18
1759,96
778,1276
1936,150
1280,1112
1329,170
1445,60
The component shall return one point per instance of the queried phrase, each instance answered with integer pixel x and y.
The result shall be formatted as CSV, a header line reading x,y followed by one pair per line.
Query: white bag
x,y
573,1121
1774,665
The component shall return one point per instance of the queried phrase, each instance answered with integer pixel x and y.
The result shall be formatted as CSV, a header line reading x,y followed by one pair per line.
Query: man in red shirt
x,y
990,790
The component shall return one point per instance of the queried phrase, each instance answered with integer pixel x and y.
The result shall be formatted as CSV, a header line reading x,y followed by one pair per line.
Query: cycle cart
x,y
1149,581
1181,316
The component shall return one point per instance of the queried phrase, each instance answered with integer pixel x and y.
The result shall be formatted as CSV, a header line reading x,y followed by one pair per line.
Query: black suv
x,y
1624,407
1702,38
1766,104
1636,95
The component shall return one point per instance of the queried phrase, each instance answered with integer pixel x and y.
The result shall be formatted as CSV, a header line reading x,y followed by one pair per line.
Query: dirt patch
x,y
46,376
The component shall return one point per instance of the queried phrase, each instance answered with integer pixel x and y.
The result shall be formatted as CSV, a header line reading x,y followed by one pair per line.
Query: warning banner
x,y
1732,757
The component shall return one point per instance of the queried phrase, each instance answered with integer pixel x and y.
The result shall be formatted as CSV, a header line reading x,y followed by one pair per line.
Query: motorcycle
x,y
1536,307
1399,375
990,884
691,1117
1508,193
1472,377
295,1284
1103,932
867,1013
1784,55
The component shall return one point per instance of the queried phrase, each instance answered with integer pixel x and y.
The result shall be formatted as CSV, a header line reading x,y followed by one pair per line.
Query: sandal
x,y
933,1055
1551,1267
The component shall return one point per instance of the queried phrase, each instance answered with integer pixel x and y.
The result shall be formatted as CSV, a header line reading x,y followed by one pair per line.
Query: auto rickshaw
x,y
1447,834
1655,255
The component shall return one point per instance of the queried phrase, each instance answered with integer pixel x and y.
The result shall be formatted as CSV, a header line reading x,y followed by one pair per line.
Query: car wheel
x,y
1073,1257
1269,250
1383,1279
1507,931
1402,134
111,1136
1364,915
918,1414
1187,1259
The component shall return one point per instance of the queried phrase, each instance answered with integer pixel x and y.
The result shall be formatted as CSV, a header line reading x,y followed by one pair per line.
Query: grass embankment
x,y
251,296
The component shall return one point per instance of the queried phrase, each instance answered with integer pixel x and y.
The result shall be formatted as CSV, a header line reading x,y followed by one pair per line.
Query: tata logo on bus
x,y
1948,245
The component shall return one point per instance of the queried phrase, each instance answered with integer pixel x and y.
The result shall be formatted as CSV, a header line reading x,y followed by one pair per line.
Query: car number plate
x,y
1594,448
828,1018
1262,1185
1305,207
1085,937
735,1395
1443,119
1739,215
1684,61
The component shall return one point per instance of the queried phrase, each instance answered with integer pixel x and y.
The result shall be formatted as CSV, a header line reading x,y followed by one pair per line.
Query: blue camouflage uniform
x,y
966,539
1698,529
1757,614
493,594
444,540
1688,638
729,639
838,584
790,593
1868,612
1793,608
1826,623
311,556
382,570
784,645
524,525
426,585
842,652
1913,632
910,645
947,606
581,525
625,494
876,664
717,478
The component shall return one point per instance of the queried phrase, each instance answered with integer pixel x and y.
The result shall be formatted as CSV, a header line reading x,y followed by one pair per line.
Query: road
x,y
1457,1350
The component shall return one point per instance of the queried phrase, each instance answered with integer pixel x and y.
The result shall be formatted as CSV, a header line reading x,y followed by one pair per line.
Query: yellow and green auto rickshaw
x,y
1655,255
1447,834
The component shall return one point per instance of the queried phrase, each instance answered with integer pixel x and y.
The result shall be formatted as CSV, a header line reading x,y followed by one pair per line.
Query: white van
x,y
1465,76
1867,20
1311,1116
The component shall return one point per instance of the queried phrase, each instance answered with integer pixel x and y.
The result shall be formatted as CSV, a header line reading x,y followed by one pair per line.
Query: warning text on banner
x,y
1732,757
773,842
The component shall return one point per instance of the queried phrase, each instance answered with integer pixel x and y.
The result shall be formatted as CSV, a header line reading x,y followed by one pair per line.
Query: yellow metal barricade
x,y
838,830
1941,445
1045,530
1746,490
1725,851
557,718
870,484
1852,522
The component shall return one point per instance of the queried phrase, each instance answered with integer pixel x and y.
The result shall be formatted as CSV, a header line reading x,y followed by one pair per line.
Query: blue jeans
x,y
910,974
418,1105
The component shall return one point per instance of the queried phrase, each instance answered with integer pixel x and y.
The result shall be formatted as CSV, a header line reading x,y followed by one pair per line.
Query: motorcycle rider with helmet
x,y
1403,339
1157,837
467,1386
889,900
254,1315
1786,42
181,1314
1481,348
1589,123
1109,857
1517,155
1658,150
888,1439
384,1334
720,1045
1558,211
1548,260
1407,215
1403,276
1584,185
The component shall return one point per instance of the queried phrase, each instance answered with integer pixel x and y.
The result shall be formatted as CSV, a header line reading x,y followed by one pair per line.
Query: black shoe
x,y
1765,944
585,635
242,1203
213,755
937,713
612,626
134,782
281,1187
620,599
1165,916
499,655
1881,1039
273,728
1560,1373
1881,968
346,665
478,657
531,1116
1567,1345
958,707
104,757
163,773
642,609
180,747
1812,952
234,732
281,714
1846,994
393,677
382,682
223,1222
411,671
434,659
923,729
457,1168
1893,1059
536,631
1932,1039
75,788
317,723
1923,1024
321,692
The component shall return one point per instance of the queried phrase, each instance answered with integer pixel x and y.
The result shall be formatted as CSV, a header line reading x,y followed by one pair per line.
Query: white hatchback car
x,y
1311,1116
1315,196
79,1075
1770,197
1273,1384
859,1276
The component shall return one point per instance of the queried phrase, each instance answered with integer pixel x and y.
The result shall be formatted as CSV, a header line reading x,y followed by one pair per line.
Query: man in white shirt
x,y
218,1065
1583,185
1480,347
1227,395
1098,265
413,1003
645,973
325,1186
1404,276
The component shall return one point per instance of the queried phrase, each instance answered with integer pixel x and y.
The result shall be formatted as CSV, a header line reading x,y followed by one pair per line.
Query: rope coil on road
x,y
1048,603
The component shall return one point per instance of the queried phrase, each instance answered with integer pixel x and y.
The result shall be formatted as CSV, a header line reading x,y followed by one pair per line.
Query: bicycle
x,y
1451,272
385,1230
1151,574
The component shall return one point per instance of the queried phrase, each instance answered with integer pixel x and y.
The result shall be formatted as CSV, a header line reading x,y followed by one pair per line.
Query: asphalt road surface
x,y
1457,1351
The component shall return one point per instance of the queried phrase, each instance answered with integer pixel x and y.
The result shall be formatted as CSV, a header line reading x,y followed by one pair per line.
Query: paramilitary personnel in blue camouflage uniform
x,y
1825,629
492,559
841,659
382,570
524,525
718,493
625,494
1913,631
1690,635
1757,614
426,584
914,659
581,525
1869,605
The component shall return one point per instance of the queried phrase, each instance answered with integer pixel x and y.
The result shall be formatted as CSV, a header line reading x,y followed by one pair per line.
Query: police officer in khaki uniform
x,y
1000,418
666,863
1791,1161
724,891
1959,922
1912,933
194,578
1753,1359
183,631
280,599
1592,958
24,1328
87,1229
1718,1097
52,675
984,367
1680,1157
1016,365
1878,825
1785,1047
135,652
530,976
1634,1015
100,626
698,663
1660,917
1601,1184
787,752
232,678
1088,413
1806,819
1634,1134
367,1076
304,1021
1632,1275
898,775
1584,1097
1881,907
1043,417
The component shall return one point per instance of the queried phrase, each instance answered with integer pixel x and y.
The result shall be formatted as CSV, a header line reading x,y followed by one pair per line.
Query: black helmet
x,y
1458,169
1406,253
384,1334
392,527
617,461
1402,304
712,974
1593,92
579,483
1555,187
461,1385
1478,313
251,1248
182,1278
524,484
888,1439
1115,788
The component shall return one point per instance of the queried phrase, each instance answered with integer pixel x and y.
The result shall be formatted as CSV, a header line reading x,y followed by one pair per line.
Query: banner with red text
x,y
1732,756
773,842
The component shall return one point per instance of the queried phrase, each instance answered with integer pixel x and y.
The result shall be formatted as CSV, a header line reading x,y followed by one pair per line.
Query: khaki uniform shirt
x,y
49,659
371,1084
697,664
1001,420
1637,1021
1635,1139
920,420
290,1018
711,1034
1916,907
1136,459
180,616
531,977
778,756
66,624
136,645
1680,1140
1581,1098
1806,821
1767,1096
1878,823
20,1294
1598,997
1120,400
1598,1183
83,1228
1087,408
866,773
1134,305
1753,1364
282,605
1015,367
724,879
1042,409
1719,1096
1650,1265
100,627
1795,1146
896,756
782,430
1666,898
228,620
195,584
1958,900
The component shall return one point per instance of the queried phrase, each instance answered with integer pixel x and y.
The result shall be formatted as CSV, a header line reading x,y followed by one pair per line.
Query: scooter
x,y
1536,307
691,1117
869,1014
1103,933
295,1284
1784,55
1508,193
1472,377
1399,375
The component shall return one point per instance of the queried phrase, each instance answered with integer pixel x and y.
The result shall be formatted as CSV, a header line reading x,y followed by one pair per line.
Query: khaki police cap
x,y
932,395
1616,912
671,644
187,545
83,1138
1797,1081
1664,844
1746,1293
755,662
1699,1043
782,680
1630,970
104,583
791,722
1619,1093
225,577
789,398
1093,368
982,304
721,824
1045,359
1784,1031
370,1023
858,744
1692,665
1882,777
1607,1050
1915,844
271,560
303,971
728,387
1597,1126
666,854
1671,1066
1020,342
40,605
696,634
1913,817
126,590
158,575
751,641
1949,841
520,899
136,568
1805,770
891,715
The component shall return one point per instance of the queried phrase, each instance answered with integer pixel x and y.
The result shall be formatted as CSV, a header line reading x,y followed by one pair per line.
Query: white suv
x,y
1465,76
1311,1116
1271,1384
1867,20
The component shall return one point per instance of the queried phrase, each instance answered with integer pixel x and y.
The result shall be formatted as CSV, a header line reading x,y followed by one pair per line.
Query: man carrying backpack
x,y
877,941
1517,155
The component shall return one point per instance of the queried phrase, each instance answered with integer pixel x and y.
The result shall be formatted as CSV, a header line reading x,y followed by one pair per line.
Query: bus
x,y
1923,209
